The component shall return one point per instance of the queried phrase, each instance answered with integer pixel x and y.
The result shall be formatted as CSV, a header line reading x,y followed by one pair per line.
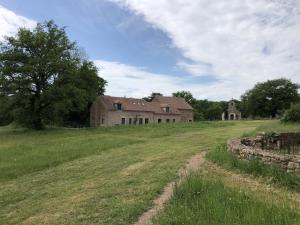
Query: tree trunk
x,y
37,112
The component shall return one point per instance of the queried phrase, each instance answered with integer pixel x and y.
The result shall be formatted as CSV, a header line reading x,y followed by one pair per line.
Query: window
x,y
130,120
190,120
118,106
168,120
140,120
166,109
146,121
159,120
102,121
174,120
123,121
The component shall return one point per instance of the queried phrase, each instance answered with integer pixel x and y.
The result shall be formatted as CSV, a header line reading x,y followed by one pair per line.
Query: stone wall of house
x,y
115,117
98,115
164,117
291,163
186,115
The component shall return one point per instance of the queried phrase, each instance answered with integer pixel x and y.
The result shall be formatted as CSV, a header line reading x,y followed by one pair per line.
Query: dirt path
x,y
192,164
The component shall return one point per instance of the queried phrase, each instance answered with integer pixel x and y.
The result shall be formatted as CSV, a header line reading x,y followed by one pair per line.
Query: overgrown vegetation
x,y
200,200
292,114
274,127
222,157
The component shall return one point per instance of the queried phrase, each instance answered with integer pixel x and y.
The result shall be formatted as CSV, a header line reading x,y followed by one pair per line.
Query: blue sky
x,y
106,31
216,50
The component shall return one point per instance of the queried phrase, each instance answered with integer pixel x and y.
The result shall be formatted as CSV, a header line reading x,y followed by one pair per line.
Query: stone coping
x,y
291,163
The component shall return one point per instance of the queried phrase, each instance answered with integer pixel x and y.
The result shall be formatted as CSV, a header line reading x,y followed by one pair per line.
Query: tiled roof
x,y
156,106
175,102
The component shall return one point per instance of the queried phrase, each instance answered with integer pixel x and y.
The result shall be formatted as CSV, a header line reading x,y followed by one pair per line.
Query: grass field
x,y
100,176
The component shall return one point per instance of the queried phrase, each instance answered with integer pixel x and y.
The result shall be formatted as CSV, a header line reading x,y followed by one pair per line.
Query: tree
x,y
270,98
5,115
186,95
45,76
152,96
214,111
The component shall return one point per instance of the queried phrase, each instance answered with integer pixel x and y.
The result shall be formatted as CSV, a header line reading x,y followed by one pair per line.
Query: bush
x,y
292,114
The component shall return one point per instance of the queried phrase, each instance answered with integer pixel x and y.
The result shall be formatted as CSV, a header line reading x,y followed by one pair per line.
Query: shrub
x,y
292,114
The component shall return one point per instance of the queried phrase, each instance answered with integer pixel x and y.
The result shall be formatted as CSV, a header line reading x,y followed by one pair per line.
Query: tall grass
x,y
279,127
24,151
221,156
273,127
209,202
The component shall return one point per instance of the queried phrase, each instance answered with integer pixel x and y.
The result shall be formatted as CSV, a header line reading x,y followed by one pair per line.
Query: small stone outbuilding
x,y
110,111
232,113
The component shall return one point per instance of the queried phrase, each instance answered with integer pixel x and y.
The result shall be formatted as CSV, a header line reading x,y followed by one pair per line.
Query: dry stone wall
x,y
291,163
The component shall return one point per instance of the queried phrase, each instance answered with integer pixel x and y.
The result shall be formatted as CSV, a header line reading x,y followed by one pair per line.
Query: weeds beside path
x,y
215,196
192,165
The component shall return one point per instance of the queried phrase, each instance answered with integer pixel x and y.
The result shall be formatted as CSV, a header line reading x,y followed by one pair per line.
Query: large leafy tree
x,y
46,78
270,98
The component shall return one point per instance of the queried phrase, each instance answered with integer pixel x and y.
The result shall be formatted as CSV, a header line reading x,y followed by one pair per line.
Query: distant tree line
x,y
203,109
270,99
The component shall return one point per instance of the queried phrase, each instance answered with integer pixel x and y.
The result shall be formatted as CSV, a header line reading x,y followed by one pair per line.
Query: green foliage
x,y
203,109
292,114
214,112
152,96
270,98
188,97
5,115
205,201
198,116
221,156
210,110
47,80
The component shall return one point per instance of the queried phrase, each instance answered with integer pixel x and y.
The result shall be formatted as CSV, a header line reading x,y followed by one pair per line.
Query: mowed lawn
x,y
98,176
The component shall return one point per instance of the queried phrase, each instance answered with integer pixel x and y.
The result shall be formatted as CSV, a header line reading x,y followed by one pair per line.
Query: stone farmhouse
x,y
232,113
109,111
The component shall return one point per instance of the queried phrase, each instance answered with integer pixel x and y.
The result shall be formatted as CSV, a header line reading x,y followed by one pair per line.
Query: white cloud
x,y
130,81
11,22
240,42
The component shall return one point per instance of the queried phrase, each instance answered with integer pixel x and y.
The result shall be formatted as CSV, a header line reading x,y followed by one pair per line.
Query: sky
x,y
215,49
